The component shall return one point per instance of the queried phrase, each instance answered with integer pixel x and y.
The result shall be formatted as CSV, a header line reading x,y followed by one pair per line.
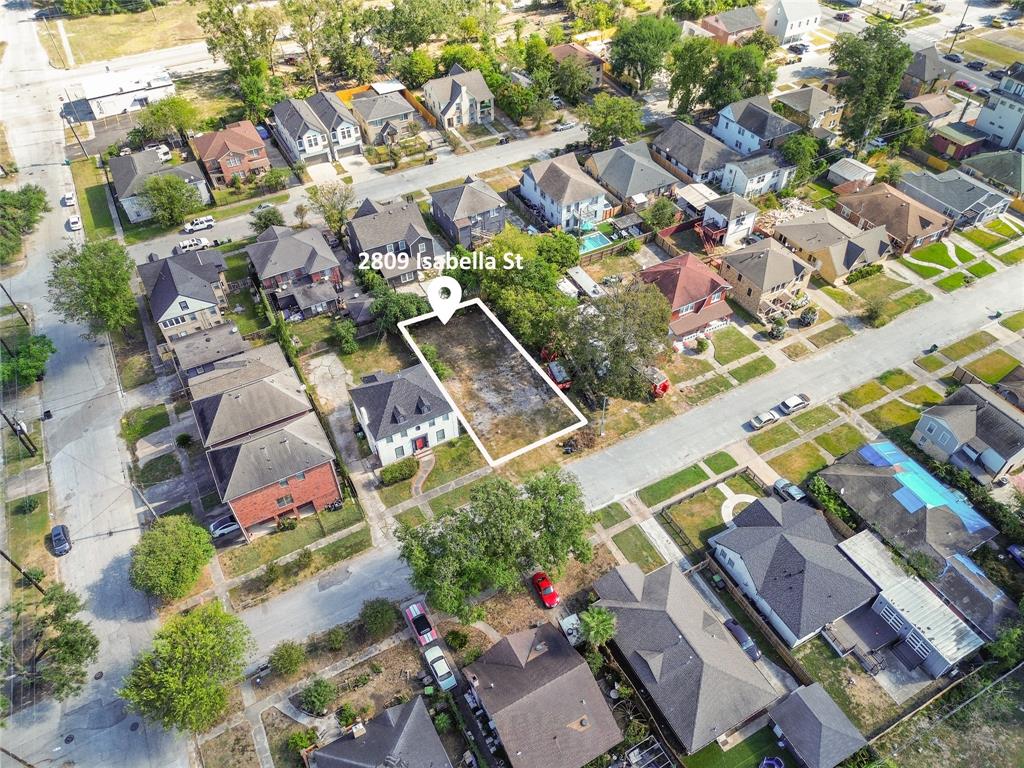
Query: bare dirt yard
x,y
508,403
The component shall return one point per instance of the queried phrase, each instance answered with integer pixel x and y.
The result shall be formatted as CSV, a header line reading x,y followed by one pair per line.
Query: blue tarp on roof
x,y
908,499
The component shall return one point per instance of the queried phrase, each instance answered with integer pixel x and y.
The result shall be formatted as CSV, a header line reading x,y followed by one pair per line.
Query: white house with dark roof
x,y
402,413
563,194
316,130
757,174
629,173
386,228
687,150
783,555
966,200
728,219
790,20
129,175
461,98
1002,116
814,728
750,125
186,291
469,212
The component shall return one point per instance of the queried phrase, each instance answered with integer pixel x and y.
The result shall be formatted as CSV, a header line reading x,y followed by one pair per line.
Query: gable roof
x,y
629,170
208,346
732,206
1005,167
790,553
755,114
760,162
237,137
279,250
544,700
691,147
980,416
850,168
190,275
928,65
377,225
701,681
129,173
389,106
249,366
809,100
911,510
737,19
322,112
402,735
931,105
250,407
471,198
330,110
684,279
902,216
799,9
446,90
393,402
562,179
816,728
832,237
251,463
587,57
952,188
767,263
963,583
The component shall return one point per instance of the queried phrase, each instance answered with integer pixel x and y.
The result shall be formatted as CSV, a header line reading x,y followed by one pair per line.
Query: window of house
x,y
213,310
402,245
234,161
421,248
390,248
300,475
687,308
750,291
285,501
183,304
399,452
930,429
408,277
716,296
283,483
440,435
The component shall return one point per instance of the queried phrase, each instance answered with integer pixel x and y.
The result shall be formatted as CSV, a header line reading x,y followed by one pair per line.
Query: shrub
x,y
347,715
318,696
272,573
702,345
442,370
472,655
379,618
809,317
287,658
304,559
457,640
443,722
287,524
923,565
27,506
401,470
778,329
344,334
301,740
635,732
184,440
862,273
832,501
34,574
595,661
336,638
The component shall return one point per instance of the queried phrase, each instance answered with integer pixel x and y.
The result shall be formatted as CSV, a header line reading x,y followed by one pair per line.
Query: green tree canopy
x,y
29,361
738,73
598,625
332,202
690,64
170,114
20,212
309,21
287,658
171,199
611,117
414,69
537,56
183,681
262,220
802,150
662,213
572,80
239,34
170,557
390,308
902,129
501,534
91,284
639,48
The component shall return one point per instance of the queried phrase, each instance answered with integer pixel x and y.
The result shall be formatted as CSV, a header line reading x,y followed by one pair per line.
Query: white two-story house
x,y
1002,117
319,129
402,413
757,174
750,125
789,20
562,194
461,98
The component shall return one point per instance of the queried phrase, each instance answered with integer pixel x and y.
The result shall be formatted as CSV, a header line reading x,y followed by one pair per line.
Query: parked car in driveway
x,y
224,525
439,667
763,419
330,237
795,403
419,621
746,643
60,540
545,589
565,126
74,223
788,490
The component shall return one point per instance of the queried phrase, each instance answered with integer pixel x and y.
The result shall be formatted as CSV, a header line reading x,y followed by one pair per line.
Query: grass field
x,y
879,286
700,516
720,462
841,440
798,463
843,298
730,345
772,438
990,50
747,754
963,255
981,269
90,189
138,423
455,498
26,542
134,365
1011,257
706,389
830,335
968,345
637,548
983,238
935,253
994,366
814,418
901,304
866,393
16,456
952,282
923,270
412,518
759,366
611,515
1014,323
669,486
158,470
895,378
893,416
923,395
681,367
796,350
97,38
930,363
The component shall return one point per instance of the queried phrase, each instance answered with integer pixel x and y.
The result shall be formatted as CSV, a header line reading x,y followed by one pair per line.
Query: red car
x,y
416,615
965,85
545,589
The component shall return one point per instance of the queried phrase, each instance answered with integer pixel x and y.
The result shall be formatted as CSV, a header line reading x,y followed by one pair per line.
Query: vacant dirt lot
x,y
507,402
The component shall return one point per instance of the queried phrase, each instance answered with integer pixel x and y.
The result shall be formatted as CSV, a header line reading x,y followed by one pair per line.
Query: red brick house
x,y
695,292
235,150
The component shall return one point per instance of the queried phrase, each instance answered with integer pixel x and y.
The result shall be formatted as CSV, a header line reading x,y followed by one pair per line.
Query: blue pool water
x,y
593,241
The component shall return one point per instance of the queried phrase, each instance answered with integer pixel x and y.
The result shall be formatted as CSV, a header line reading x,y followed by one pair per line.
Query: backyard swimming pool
x,y
593,241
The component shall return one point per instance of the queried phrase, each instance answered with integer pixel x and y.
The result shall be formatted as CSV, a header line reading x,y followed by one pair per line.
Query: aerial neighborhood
x,y
437,383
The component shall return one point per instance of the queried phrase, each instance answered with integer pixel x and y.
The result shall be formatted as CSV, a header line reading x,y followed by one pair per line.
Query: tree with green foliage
x,y
318,696
277,179
379,618
184,680
555,34
872,63
662,213
259,90
344,334
611,117
738,73
639,48
263,219
572,80
332,202
309,21
58,646
411,24
302,740
20,212
803,150
760,38
170,199
170,557
904,129
558,248
169,114
29,361
433,358
414,69
287,658
390,308
238,34
91,285
537,57
690,63
503,532
515,100
598,625
1008,647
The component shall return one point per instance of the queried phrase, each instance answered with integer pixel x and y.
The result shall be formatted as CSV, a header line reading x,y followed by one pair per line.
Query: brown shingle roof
x,y
902,216
233,137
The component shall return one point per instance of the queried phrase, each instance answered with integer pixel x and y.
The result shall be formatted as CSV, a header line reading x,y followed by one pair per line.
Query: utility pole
x,y
28,578
13,304
58,47
71,125
956,34
22,434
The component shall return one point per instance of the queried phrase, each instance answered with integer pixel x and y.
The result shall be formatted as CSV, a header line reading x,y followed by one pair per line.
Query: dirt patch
x,y
232,749
279,728
382,681
507,402
476,644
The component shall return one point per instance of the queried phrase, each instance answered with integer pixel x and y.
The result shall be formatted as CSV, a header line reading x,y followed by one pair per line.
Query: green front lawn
x,y
798,463
26,542
674,484
706,389
138,423
720,462
814,418
1011,257
879,286
759,366
454,499
730,345
682,367
452,460
1000,227
923,395
413,518
907,301
796,350
952,282
866,393
994,366
983,238
923,270
963,255
158,470
935,253
611,515
747,754
830,335
968,345
1014,323
743,485
637,548
772,438
895,378
700,516
931,363
91,191
893,416
389,355
981,269
841,440
843,298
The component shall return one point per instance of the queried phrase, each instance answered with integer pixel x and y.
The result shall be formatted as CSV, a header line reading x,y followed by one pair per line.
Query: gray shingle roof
x,y
191,275
279,250
129,173
1005,167
790,553
953,188
445,90
396,402
967,587
701,681
732,206
629,170
562,179
377,224
389,106
976,412
544,701
764,161
767,263
249,408
402,735
832,237
808,100
928,65
208,346
471,198
322,112
738,19
245,368
816,728
698,151
756,115
255,462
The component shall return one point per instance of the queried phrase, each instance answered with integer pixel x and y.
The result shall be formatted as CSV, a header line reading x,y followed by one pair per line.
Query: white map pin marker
x,y
443,305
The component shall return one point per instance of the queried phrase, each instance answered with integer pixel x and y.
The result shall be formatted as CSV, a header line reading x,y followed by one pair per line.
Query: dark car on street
x,y
844,16
996,74
977,65
956,58
60,540
749,646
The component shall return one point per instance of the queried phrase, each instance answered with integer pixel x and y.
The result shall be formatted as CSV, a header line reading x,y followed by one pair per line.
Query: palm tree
x,y
598,625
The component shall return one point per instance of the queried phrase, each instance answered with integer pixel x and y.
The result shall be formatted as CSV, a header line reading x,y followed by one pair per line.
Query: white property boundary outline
x,y
581,419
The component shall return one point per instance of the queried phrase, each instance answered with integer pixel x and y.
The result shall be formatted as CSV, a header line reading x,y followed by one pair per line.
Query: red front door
x,y
420,443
